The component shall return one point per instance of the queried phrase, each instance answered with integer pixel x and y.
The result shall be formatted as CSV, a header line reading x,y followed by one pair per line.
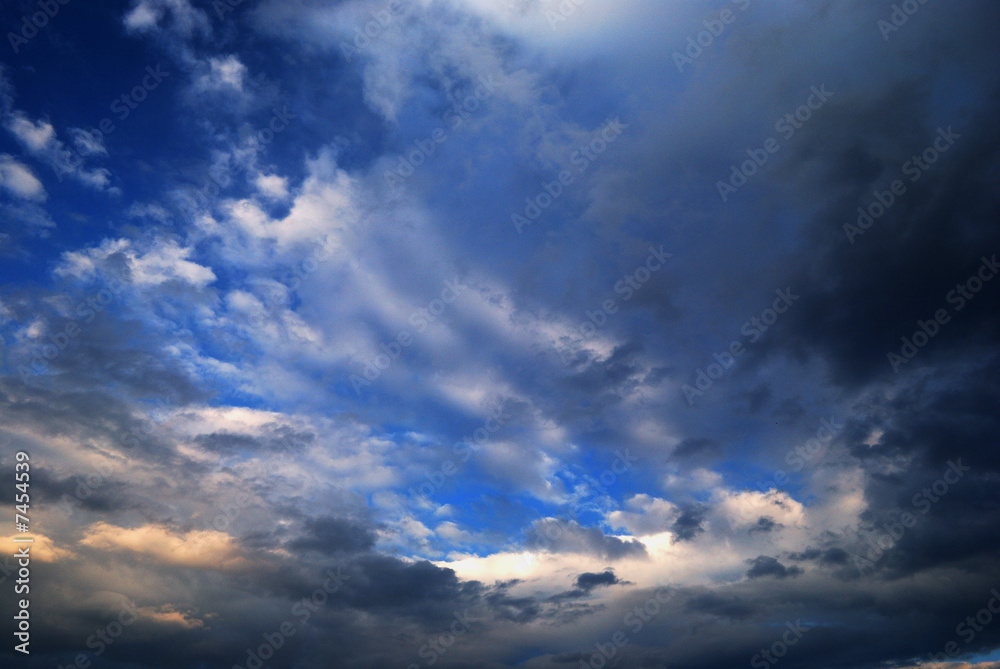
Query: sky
x,y
482,334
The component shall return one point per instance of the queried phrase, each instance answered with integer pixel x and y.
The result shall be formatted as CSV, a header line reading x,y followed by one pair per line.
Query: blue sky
x,y
532,311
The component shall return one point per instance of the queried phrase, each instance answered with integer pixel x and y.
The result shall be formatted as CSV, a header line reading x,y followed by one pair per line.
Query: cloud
x,y
163,261
35,136
43,548
764,565
561,536
206,448
40,140
178,17
19,180
330,535
272,186
200,549
149,210
88,143
589,581
223,74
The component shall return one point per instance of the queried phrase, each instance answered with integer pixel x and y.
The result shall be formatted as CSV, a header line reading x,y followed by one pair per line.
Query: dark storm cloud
x,y
585,584
830,556
332,535
270,439
725,606
764,565
511,608
590,581
98,351
560,536
765,524
698,449
688,523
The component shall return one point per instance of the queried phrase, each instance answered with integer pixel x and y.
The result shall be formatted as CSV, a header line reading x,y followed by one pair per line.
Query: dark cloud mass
x,y
470,334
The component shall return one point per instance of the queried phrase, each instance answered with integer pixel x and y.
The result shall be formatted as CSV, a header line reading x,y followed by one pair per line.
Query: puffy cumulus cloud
x,y
178,17
765,565
164,260
325,212
36,136
647,515
88,143
39,139
308,452
200,549
167,616
560,536
43,548
395,65
19,180
222,84
169,262
272,186
222,74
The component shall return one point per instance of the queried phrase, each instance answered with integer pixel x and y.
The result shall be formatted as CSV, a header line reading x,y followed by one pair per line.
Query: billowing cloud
x,y
531,333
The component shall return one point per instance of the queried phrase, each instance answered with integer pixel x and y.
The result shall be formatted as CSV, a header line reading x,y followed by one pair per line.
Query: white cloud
x,y
20,180
40,140
35,136
88,143
149,210
163,261
223,74
167,262
177,16
272,186
29,215
201,549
